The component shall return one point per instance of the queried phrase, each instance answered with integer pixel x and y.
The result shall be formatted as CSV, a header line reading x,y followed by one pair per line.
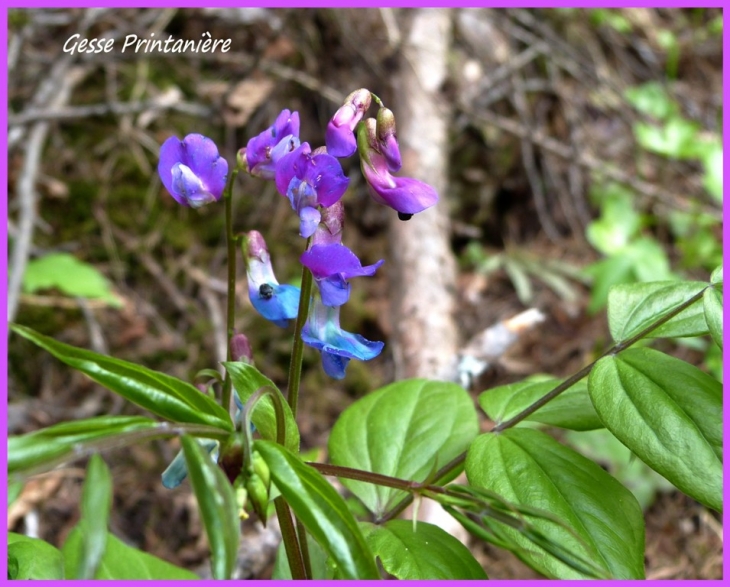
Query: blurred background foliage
x,y
585,150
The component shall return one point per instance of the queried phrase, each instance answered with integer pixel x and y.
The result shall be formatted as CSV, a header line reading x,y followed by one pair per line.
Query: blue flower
x,y
310,180
278,303
177,470
322,331
332,265
192,170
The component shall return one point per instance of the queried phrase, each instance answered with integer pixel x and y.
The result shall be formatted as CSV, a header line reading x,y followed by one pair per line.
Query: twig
x,y
539,138
96,336
118,108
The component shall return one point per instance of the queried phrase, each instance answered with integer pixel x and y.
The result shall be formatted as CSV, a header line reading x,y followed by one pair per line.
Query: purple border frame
x,y
296,4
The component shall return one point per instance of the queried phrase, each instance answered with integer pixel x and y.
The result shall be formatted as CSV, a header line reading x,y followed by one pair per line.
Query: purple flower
x,y
339,136
322,331
405,195
264,151
192,171
310,180
278,303
332,265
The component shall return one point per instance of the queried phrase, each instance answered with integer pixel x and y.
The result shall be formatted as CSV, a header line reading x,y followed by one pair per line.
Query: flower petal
x,y
340,140
205,162
279,304
308,221
324,172
334,290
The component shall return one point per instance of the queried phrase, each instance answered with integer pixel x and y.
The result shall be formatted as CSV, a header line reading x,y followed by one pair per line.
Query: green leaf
x,y
529,468
69,438
713,162
247,380
70,276
618,224
668,413
15,488
31,558
572,409
123,562
712,304
96,501
651,98
633,307
157,392
607,273
676,139
322,511
406,430
716,276
218,508
424,553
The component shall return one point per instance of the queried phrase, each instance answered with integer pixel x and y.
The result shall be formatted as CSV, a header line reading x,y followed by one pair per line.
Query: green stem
x,y
297,351
231,244
289,537
617,348
405,502
304,545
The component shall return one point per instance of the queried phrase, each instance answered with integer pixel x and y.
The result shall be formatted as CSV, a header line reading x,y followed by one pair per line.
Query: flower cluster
x,y
314,183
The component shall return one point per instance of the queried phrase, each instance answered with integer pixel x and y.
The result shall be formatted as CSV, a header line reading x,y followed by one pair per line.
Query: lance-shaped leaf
x,y
668,413
406,430
322,511
31,558
529,468
423,552
122,562
246,380
633,307
572,409
96,501
62,440
161,394
71,440
217,504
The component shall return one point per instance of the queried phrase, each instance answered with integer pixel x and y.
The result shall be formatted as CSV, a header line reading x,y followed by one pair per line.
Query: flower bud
x,y
387,139
261,469
258,495
339,136
241,349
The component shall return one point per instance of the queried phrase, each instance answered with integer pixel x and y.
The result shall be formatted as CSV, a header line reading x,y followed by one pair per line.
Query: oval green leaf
x,y
161,394
572,409
217,505
633,307
668,413
529,468
247,380
123,562
406,430
712,301
96,501
69,275
425,552
31,558
322,511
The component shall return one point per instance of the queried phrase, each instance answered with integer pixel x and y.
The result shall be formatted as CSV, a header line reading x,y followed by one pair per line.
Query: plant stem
x,y
297,351
302,534
289,537
231,301
448,468
573,379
